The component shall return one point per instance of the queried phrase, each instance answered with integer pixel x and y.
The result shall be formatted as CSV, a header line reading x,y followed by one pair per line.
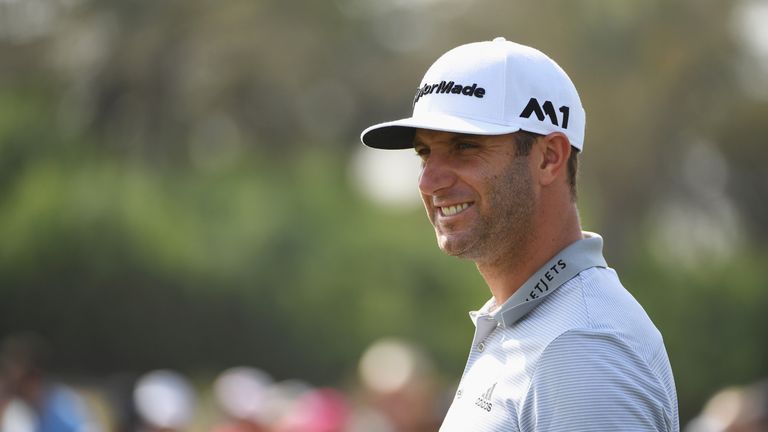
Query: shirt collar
x,y
575,258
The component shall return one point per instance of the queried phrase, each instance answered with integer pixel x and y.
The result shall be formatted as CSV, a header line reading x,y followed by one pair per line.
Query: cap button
x,y
499,39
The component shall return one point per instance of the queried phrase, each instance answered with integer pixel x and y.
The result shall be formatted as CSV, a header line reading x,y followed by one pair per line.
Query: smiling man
x,y
561,345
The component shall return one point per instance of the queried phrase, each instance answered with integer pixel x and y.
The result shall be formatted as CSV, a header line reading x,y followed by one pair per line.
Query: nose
x,y
436,175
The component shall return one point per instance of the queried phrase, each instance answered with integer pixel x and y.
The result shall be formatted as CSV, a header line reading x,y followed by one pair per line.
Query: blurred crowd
x,y
396,390
734,409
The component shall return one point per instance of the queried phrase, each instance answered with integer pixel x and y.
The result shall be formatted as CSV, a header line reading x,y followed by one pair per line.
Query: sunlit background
x,y
183,192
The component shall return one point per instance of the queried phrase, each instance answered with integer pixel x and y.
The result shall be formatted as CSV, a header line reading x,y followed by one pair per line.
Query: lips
x,y
453,210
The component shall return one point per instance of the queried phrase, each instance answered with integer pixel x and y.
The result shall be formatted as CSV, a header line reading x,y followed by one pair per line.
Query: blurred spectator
x,y
241,393
16,416
165,401
368,419
281,399
121,410
399,381
320,410
735,409
53,406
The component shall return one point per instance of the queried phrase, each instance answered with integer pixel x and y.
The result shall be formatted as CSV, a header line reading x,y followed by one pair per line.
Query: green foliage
x,y
711,317
284,267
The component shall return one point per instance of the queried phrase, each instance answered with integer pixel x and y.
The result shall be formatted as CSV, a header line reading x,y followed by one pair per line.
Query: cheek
x,y
482,186
509,188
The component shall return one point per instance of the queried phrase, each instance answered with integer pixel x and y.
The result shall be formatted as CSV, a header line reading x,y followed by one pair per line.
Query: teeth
x,y
452,210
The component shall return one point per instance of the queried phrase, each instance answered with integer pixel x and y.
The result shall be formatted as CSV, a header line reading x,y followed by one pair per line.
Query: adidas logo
x,y
484,401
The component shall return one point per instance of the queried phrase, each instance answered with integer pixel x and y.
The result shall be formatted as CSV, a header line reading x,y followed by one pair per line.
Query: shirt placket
x,y
485,327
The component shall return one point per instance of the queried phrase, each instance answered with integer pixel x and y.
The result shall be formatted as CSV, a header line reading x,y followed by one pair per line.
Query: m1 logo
x,y
534,107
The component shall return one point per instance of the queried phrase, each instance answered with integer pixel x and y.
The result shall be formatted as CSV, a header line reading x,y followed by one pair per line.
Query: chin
x,y
455,247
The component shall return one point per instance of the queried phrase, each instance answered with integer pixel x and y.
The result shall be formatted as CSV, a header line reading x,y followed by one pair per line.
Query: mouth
x,y
453,210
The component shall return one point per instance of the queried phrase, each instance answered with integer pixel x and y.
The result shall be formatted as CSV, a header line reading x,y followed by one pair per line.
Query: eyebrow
x,y
454,138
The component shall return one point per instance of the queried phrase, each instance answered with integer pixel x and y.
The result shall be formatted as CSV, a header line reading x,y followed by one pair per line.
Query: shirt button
x,y
481,346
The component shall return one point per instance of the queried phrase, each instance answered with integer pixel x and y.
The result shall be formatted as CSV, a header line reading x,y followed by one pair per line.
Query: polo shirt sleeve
x,y
588,380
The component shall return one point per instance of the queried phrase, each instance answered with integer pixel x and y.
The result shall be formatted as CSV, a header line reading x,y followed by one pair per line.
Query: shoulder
x,y
582,351
588,379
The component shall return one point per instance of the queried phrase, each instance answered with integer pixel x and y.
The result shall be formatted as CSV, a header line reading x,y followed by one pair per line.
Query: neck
x,y
506,273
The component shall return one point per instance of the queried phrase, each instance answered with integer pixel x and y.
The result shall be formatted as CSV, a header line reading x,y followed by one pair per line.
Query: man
x,y
561,345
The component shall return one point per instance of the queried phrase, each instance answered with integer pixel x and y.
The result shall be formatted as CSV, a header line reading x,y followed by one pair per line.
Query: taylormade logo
x,y
450,87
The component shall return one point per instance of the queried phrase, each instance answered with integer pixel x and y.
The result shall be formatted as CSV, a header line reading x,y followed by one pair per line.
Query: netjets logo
x,y
484,401
449,87
534,107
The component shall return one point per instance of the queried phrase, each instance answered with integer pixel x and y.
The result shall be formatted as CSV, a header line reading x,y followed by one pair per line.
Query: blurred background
x,y
183,191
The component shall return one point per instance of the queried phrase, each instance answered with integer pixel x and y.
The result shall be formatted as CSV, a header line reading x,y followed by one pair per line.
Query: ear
x,y
553,151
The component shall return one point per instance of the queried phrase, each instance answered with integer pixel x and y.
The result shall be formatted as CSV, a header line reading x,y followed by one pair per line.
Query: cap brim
x,y
399,134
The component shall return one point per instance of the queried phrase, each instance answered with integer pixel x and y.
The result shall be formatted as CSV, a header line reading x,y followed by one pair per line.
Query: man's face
x,y
478,193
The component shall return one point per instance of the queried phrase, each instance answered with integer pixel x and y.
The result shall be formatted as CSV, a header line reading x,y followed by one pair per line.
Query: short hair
x,y
525,140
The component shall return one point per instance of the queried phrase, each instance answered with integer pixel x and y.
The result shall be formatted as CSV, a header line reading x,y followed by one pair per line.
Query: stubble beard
x,y
505,230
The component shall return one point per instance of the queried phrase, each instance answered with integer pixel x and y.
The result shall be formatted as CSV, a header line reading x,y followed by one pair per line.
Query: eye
x,y
422,152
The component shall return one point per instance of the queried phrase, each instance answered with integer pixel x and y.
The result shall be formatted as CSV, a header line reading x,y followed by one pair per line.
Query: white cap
x,y
489,88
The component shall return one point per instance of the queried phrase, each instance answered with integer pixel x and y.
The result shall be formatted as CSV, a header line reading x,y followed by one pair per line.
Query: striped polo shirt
x,y
571,350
